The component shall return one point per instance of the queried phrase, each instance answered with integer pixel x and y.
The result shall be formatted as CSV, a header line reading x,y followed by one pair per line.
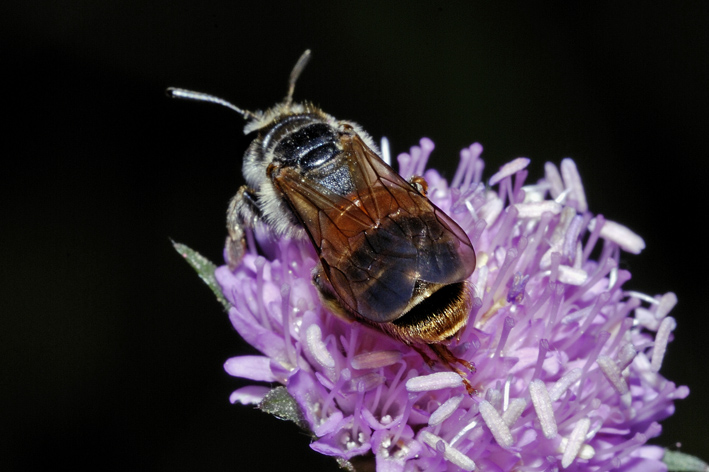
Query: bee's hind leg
x,y
243,213
447,357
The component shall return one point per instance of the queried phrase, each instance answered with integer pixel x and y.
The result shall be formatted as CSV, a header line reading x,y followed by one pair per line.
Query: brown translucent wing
x,y
376,242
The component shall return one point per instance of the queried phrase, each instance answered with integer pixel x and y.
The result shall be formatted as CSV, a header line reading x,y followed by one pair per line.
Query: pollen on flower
x,y
444,411
377,359
313,338
663,336
437,381
563,384
514,411
612,372
452,454
543,407
568,359
575,441
498,427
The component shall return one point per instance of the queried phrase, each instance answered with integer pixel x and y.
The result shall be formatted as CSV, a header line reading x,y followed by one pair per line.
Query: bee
x,y
387,255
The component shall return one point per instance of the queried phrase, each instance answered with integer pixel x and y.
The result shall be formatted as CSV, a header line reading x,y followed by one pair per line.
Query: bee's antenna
x,y
173,92
295,73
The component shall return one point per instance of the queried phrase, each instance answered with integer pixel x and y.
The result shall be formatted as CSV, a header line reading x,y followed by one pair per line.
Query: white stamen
x,y
464,430
365,383
621,235
535,192
458,458
587,452
506,393
437,381
573,246
562,196
494,396
499,429
551,175
661,340
514,411
483,272
612,372
375,360
316,346
646,318
578,260
572,180
508,169
626,354
575,315
641,296
612,277
627,401
536,209
386,152
561,385
545,261
667,303
444,411
491,210
543,407
641,365
450,453
596,425
572,276
573,446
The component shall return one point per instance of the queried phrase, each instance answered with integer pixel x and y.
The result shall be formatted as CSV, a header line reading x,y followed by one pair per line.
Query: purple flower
x,y
567,360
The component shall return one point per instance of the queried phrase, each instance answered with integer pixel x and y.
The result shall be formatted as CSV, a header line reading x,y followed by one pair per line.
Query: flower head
x,y
567,360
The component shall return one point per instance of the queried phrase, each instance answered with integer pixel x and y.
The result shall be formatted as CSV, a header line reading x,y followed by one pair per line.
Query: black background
x,y
112,349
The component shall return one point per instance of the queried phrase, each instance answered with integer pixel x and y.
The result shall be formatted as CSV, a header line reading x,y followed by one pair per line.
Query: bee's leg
x,y
429,362
243,213
420,184
449,359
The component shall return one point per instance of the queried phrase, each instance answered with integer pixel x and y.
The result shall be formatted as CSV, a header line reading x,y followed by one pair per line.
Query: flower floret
x,y
568,361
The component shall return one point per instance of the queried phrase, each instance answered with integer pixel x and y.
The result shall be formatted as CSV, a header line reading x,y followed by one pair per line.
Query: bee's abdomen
x,y
380,270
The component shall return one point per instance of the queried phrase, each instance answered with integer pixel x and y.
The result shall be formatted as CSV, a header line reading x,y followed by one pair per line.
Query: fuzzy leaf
x,y
680,462
204,268
279,403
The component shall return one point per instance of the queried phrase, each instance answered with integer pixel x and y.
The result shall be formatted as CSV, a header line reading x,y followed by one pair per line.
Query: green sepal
x,y
279,403
680,462
204,268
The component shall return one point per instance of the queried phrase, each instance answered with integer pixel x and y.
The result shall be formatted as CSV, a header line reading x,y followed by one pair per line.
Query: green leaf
x,y
345,464
680,462
279,403
204,268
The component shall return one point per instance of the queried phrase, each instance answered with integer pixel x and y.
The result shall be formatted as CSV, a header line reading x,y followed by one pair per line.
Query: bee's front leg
x,y
242,214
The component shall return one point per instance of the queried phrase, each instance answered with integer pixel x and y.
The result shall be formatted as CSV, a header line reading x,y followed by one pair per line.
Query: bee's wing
x,y
378,241
444,251
334,225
